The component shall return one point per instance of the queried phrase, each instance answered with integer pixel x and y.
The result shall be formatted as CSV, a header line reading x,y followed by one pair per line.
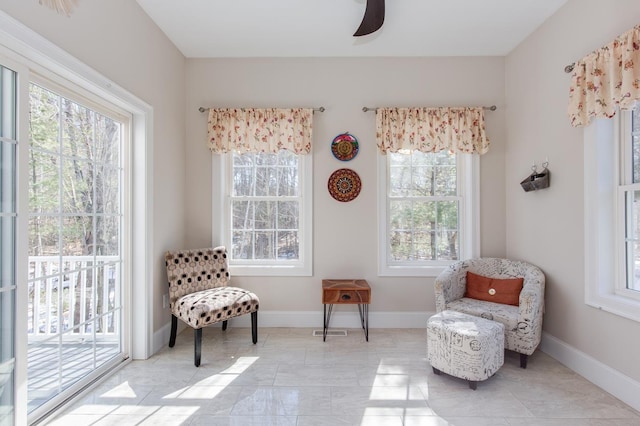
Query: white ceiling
x,y
324,28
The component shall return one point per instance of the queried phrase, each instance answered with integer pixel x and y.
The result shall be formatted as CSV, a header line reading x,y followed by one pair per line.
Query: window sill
x,y
615,304
410,271
270,271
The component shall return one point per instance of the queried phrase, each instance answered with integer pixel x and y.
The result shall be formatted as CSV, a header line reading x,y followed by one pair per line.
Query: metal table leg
x,y
364,319
327,318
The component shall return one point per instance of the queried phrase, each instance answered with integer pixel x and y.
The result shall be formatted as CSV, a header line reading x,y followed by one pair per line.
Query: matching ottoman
x,y
465,346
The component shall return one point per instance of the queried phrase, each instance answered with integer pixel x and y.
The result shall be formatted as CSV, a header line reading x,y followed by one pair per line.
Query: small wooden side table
x,y
346,292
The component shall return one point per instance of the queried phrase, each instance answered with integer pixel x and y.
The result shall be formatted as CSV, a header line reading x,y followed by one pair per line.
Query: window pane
x,y
635,140
288,215
7,177
243,182
77,236
242,245
264,225
288,245
633,240
448,245
242,215
108,236
445,180
422,181
423,245
266,181
424,215
8,103
447,215
288,181
7,249
44,236
401,245
44,182
266,214
265,247
7,304
44,123
77,186
400,214
423,220
107,189
78,132
107,141
266,159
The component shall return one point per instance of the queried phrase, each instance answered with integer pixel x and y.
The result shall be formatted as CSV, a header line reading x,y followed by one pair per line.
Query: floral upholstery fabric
x,y
198,291
260,130
465,346
431,130
523,323
606,80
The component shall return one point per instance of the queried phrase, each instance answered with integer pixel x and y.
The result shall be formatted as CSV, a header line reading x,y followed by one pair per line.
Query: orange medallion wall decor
x,y
344,185
345,147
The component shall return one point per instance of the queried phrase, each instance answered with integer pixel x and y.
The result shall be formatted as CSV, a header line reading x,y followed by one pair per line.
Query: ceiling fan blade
x,y
373,18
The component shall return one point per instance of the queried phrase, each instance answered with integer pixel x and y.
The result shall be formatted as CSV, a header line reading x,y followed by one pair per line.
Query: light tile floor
x,y
291,378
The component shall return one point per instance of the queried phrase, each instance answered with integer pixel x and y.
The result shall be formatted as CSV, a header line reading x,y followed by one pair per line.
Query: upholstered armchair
x,y
199,294
522,323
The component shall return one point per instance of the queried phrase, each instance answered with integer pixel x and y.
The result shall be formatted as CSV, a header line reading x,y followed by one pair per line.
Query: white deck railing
x,y
80,293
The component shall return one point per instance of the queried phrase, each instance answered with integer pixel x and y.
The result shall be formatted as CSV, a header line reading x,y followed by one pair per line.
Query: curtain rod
x,y
490,108
319,109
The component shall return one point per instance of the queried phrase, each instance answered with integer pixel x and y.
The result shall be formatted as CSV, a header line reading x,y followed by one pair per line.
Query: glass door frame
x,y
24,49
21,239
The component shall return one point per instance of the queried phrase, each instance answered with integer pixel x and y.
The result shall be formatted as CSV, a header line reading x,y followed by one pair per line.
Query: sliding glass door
x,y
8,224
76,240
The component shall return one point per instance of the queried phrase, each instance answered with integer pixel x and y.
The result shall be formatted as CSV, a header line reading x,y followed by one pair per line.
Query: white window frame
x,y
221,222
468,178
604,218
623,133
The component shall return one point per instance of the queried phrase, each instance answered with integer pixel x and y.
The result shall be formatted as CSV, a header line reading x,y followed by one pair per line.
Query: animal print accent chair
x,y
522,323
199,294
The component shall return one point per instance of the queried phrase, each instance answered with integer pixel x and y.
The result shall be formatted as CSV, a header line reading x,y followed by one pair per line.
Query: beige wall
x,y
345,234
117,39
547,227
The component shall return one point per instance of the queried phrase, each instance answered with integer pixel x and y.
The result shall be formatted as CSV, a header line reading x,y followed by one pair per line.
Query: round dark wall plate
x,y
344,185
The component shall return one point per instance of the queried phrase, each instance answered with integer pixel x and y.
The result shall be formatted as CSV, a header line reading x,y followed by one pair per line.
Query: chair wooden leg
x,y
174,329
523,360
254,327
198,346
224,325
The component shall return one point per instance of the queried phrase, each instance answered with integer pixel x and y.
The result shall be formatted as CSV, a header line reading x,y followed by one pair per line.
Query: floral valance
x,y
606,79
260,130
431,129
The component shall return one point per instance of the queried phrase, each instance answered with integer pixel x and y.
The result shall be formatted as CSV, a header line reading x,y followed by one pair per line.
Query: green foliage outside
x,y
265,210
74,202
423,206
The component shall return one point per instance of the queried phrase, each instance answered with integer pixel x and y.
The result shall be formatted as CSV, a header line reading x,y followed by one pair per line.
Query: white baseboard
x,y
617,384
161,338
310,319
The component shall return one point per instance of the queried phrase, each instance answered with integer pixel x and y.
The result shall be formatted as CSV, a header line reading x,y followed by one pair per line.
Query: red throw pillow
x,y
506,291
